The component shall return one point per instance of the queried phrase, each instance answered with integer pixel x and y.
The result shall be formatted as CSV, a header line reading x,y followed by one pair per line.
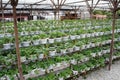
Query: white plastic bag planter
x,y
118,30
108,51
78,37
26,44
51,67
72,37
68,76
70,50
50,41
23,59
88,46
73,62
37,27
108,32
76,48
61,78
23,29
92,67
87,69
7,46
43,41
92,45
82,71
98,26
75,72
93,54
32,33
5,78
8,34
101,33
52,53
33,58
96,34
66,64
63,51
82,35
41,56
26,76
40,71
109,41
83,47
88,35
85,59
24,33
36,42
103,43
58,39
65,38
97,44
92,35
97,65
1,35
57,67
99,53
60,66
37,32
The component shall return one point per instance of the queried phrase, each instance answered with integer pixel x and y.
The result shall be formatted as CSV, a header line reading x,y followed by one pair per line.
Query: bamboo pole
x,y
14,4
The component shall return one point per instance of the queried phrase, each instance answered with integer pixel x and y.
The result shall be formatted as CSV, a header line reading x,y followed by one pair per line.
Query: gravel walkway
x,y
104,74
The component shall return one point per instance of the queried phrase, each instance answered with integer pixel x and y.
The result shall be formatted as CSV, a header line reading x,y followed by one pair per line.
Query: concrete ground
x,y
104,73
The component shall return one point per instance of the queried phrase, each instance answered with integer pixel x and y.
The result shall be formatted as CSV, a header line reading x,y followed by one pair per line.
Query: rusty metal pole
x,y
14,4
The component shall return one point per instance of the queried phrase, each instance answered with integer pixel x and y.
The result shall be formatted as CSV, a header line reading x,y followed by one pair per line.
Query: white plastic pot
x,y
43,41
37,32
26,44
41,56
88,35
32,33
63,51
75,72
58,39
83,47
82,35
52,53
93,54
36,42
50,41
65,38
78,37
1,35
8,34
72,37
61,78
76,48
7,46
23,59
74,62
70,50
99,53
33,57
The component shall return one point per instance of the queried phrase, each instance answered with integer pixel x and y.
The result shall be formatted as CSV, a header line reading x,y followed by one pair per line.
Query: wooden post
x,y
115,4
14,4
112,41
